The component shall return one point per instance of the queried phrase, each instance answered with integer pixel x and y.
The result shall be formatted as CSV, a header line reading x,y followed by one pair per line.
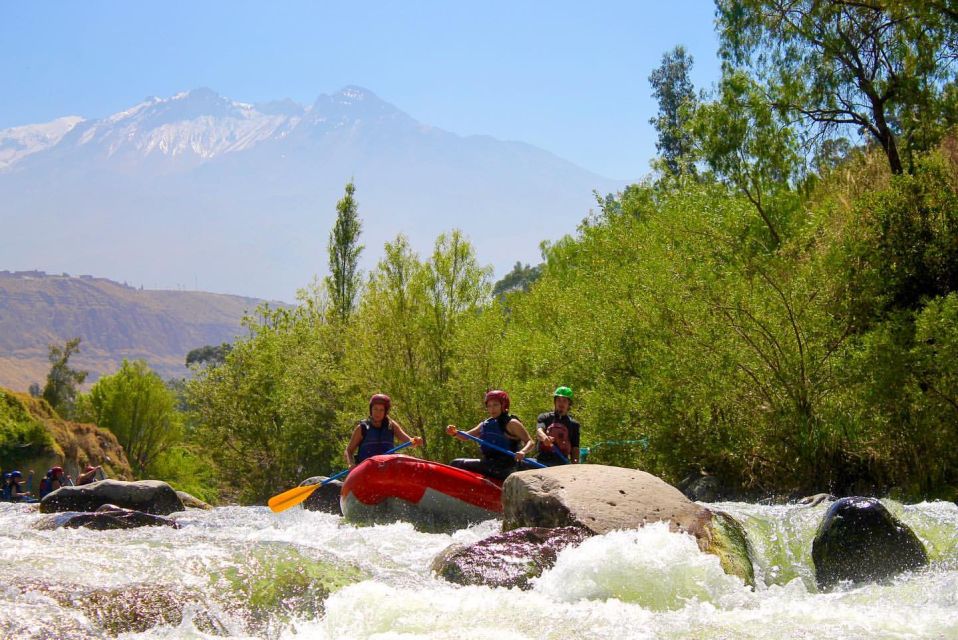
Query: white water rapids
x,y
637,584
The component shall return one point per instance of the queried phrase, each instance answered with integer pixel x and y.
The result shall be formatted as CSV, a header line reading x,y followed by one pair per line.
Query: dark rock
x,y
148,496
325,498
600,499
704,487
509,559
192,502
860,541
105,518
817,499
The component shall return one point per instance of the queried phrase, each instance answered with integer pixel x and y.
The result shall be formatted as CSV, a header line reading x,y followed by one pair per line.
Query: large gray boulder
x,y
509,559
148,496
859,540
600,499
324,498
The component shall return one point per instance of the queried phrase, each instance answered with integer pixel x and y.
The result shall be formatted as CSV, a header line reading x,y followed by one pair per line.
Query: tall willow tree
x,y
673,89
344,249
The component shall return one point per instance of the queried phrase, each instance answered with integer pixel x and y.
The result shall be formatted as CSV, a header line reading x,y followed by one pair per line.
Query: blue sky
x,y
567,77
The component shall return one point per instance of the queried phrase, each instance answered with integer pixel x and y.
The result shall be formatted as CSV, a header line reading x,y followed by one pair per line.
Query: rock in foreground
x,y
149,496
324,498
860,541
106,518
600,499
508,559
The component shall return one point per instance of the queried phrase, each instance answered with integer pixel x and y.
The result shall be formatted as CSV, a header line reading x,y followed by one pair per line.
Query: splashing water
x,y
247,573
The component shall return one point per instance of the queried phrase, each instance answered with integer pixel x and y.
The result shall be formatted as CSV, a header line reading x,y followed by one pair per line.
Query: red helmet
x,y
501,396
56,470
380,398
89,468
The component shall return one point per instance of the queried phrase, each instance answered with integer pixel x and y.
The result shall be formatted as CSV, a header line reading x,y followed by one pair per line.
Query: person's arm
x,y
519,432
541,426
402,436
354,442
475,431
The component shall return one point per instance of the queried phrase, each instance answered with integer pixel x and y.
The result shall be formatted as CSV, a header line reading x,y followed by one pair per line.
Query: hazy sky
x,y
571,78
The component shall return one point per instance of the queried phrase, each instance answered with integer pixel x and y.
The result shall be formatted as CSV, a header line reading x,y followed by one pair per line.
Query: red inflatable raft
x,y
428,494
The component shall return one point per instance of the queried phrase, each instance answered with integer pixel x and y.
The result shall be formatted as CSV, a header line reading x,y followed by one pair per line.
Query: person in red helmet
x,y
54,479
500,429
376,434
88,475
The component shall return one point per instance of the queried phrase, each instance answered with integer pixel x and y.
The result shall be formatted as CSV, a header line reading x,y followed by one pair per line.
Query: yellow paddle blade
x,y
291,498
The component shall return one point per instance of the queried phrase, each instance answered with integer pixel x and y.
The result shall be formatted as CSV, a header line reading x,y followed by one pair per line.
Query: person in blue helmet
x,y
18,492
376,434
501,429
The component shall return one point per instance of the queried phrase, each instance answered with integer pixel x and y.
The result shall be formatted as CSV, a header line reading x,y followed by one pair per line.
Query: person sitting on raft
x,y
499,429
88,475
52,481
557,430
17,492
376,434
5,495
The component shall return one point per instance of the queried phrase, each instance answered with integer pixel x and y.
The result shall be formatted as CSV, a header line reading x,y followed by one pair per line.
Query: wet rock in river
x,y
325,498
106,518
860,541
149,496
600,499
509,559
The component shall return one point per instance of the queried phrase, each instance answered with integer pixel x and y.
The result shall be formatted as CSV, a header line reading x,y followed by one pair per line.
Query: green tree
x,y
211,355
140,410
673,89
878,66
62,380
344,249
272,406
745,143
519,279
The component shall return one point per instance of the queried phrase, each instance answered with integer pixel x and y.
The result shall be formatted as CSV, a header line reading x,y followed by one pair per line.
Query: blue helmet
x,y
16,474
6,476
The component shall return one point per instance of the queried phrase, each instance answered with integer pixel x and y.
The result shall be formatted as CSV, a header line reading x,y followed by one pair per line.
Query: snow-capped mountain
x,y
19,142
201,189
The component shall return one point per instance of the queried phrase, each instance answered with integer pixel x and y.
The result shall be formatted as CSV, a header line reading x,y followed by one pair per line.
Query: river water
x,y
65,584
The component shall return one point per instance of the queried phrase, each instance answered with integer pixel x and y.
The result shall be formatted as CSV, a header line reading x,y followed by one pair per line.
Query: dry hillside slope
x,y
114,321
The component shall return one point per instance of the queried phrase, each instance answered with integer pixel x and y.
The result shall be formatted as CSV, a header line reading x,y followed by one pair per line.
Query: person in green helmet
x,y
557,434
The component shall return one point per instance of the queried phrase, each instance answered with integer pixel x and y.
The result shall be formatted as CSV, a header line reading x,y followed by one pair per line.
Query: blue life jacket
x,y
493,431
6,490
375,441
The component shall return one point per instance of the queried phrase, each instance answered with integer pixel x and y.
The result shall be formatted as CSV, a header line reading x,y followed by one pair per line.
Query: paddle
x,y
529,461
294,496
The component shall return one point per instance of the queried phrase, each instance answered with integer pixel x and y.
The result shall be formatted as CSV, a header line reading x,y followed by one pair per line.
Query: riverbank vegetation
x,y
776,305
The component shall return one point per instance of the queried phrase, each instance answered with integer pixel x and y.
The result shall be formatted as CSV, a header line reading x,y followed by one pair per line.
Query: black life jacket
x,y
375,441
494,432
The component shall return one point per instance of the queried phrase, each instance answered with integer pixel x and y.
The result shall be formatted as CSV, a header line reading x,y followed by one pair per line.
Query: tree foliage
x,y
135,404
880,67
344,249
673,89
63,381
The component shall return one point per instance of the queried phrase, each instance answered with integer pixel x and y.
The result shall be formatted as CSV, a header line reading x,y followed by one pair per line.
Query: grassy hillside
x,y
33,436
115,322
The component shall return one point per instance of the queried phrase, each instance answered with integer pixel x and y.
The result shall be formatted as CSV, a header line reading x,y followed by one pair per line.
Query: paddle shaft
x,y
532,463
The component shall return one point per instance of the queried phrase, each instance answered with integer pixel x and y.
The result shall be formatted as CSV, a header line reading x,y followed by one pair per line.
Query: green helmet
x,y
563,392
